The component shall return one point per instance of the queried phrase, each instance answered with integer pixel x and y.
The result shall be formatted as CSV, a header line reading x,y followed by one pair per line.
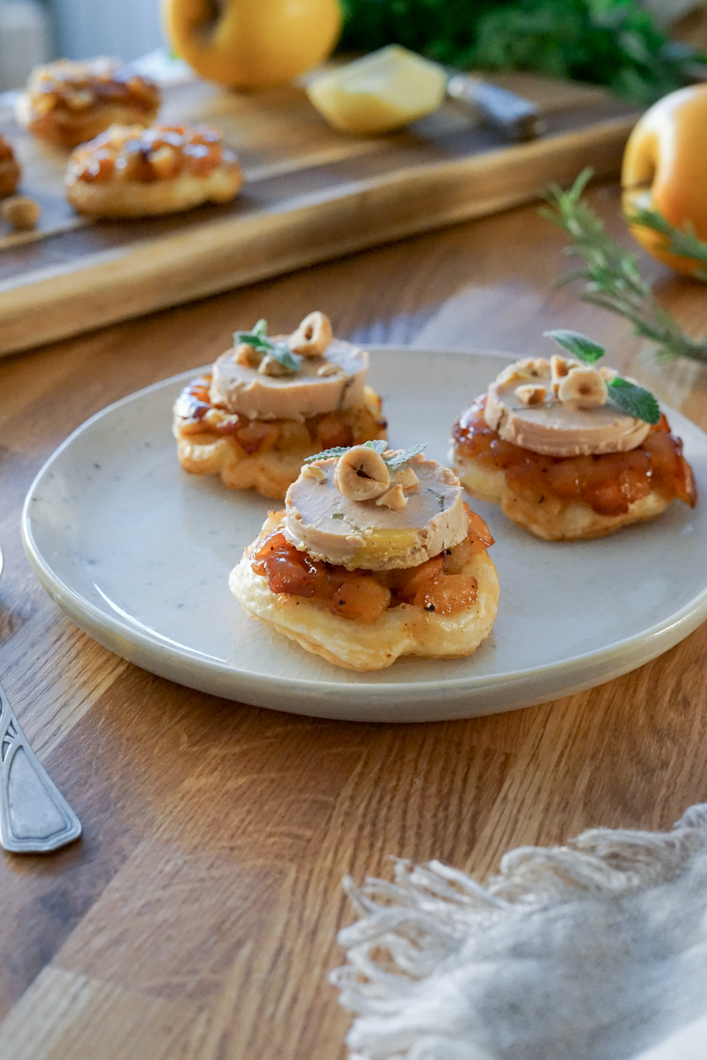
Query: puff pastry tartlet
x,y
568,450
69,102
271,402
10,171
375,556
130,171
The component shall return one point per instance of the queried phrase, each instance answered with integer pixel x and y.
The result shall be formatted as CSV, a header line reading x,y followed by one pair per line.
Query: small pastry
x,y
568,450
69,102
129,171
271,402
375,556
10,171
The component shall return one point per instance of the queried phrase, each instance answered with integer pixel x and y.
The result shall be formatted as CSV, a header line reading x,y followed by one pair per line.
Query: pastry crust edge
x,y
557,519
401,630
271,472
65,129
124,199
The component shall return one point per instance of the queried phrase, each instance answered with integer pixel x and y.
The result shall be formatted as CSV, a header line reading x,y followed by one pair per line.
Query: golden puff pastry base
x,y
402,630
116,198
555,519
271,472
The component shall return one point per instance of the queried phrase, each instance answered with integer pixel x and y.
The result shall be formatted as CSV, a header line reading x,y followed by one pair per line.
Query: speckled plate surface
x,y
138,553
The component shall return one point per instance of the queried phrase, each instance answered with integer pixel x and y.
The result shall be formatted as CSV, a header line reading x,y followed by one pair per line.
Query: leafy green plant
x,y
609,42
612,277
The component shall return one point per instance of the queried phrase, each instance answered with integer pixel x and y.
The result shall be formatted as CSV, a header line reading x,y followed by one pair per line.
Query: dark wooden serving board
x,y
310,194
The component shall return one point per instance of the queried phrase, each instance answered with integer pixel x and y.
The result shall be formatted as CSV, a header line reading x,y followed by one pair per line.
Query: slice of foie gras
x,y
292,397
319,520
553,429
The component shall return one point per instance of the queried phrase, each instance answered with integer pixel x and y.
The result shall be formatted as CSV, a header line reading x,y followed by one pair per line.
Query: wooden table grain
x,y
196,919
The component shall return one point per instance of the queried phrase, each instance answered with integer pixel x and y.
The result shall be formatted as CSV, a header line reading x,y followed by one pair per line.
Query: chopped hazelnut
x,y
314,472
394,499
531,395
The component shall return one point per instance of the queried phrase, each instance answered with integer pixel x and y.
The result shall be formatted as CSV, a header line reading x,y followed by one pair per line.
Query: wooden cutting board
x,y
310,194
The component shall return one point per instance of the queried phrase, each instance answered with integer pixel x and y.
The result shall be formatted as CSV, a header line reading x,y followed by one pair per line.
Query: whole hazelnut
x,y
21,212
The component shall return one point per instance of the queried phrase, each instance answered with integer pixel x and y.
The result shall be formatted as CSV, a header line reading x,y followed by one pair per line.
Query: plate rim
x,y
620,657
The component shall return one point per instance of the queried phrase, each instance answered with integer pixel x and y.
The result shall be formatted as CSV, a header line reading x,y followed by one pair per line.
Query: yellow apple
x,y
665,169
252,43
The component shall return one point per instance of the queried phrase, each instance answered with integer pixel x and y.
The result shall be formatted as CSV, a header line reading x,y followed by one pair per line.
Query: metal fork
x,y
34,815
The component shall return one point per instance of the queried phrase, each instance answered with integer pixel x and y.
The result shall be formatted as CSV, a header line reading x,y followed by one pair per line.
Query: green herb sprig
x,y
393,462
630,397
280,351
682,242
612,277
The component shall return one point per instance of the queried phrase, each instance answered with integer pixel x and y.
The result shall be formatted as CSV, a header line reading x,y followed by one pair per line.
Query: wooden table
x,y
196,919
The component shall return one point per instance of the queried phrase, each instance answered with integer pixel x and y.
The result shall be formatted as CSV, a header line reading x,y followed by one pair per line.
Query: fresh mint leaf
x,y
326,454
251,338
285,356
379,445
580,346
398,459
634,400
280,351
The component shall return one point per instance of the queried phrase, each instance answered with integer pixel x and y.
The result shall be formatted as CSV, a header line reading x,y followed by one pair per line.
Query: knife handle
x,y
516,117
34,816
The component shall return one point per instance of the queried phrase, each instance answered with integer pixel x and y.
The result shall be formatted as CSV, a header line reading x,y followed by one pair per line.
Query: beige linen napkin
x,y
593,951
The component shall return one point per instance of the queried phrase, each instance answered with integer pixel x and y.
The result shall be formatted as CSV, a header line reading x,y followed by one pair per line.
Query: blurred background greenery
x,y
618,43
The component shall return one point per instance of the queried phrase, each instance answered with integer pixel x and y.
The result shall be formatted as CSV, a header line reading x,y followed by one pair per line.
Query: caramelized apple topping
x,y
439,585
196,415
608,483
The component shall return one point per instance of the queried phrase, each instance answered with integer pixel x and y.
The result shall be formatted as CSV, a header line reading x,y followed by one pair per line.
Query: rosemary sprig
x,y
613,279
280,351
679,241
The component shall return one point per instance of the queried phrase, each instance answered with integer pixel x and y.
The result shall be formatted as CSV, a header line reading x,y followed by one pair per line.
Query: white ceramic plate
x,y
138,553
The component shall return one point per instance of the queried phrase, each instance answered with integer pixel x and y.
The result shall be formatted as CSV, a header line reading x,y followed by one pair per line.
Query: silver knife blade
x,y
516,117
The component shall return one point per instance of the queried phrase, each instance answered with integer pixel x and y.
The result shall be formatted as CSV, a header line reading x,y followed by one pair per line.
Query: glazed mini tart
x,y
129,171
271,402
375,556
10,171
69,102
568,450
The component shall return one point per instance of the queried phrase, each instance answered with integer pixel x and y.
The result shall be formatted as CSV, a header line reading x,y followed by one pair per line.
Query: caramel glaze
x,y
199,416
78,85
160,152
609,483
438,585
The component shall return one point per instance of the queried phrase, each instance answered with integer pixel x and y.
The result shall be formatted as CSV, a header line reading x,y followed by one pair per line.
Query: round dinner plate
x,y
138,553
